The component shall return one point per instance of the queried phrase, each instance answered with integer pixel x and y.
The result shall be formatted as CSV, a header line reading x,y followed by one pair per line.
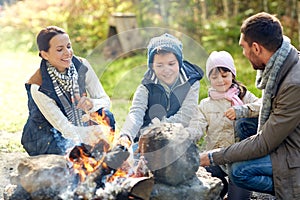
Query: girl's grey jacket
x,y
280,135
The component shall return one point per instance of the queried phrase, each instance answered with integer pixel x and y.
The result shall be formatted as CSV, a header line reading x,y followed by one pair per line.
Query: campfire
x,y
110,177
165,168
108,167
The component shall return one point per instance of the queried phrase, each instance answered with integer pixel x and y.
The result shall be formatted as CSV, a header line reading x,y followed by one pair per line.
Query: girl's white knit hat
x,y
220,59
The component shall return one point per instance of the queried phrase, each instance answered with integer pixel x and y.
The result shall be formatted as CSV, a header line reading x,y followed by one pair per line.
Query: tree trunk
x,y
236,7
265,6
298,14
226,9
204,10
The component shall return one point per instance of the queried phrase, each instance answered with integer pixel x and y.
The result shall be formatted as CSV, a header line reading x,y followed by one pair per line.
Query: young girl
x,y
60,92
169,90
227,102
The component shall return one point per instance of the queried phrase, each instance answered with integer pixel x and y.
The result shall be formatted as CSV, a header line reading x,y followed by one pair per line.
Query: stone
x,y
200,187
170,155
44,174
15,192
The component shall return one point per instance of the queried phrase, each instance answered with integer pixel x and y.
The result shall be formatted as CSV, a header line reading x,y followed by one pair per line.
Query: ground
x,y
9,162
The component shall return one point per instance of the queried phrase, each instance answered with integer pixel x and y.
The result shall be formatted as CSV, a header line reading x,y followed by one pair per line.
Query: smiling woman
x,y
60,93
60,54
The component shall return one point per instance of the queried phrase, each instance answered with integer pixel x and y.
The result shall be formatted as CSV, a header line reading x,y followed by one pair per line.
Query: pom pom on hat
x,y
220,59
165,42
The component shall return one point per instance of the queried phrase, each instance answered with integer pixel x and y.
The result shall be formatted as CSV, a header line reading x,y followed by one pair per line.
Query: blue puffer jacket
x,y
39,136
159,104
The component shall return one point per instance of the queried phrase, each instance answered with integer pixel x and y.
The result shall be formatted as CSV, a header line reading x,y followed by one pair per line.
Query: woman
x,y
60,92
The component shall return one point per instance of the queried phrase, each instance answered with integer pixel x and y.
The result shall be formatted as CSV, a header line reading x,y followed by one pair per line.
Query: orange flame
x,y
84,164
102,120
118,174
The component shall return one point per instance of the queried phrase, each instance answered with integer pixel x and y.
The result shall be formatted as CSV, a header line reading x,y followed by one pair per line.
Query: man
x,y
269,161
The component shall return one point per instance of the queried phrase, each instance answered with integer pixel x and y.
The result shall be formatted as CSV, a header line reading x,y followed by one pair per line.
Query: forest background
x,y
209,24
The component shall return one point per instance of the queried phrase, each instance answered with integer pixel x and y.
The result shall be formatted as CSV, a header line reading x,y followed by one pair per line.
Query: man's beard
x,y
256,63
258,67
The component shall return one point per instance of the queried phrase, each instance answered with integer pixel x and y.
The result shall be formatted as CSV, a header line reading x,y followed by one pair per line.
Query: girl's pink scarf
x,y
231,95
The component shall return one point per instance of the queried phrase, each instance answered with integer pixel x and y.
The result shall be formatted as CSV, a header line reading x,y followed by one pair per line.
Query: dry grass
x,y
15,69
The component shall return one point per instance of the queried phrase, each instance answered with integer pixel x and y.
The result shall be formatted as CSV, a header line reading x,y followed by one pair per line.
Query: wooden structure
x,y
122,36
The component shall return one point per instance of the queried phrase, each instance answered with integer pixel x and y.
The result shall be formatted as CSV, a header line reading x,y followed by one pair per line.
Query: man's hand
x,y
204,160
204,157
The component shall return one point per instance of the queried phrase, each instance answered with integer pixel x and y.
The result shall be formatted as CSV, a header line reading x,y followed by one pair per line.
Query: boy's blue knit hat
x,y
165,42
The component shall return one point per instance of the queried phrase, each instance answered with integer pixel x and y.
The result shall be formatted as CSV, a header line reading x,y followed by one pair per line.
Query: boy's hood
x,y
187,72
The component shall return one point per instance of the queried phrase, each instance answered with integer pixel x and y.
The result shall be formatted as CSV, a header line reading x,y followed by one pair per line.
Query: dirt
x,y
9,159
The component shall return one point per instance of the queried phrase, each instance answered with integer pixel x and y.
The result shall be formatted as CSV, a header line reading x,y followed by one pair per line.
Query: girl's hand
x,y
85,104
230,114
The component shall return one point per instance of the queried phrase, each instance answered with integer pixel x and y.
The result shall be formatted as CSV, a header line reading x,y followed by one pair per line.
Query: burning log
x,y
84,163
49,177
123,185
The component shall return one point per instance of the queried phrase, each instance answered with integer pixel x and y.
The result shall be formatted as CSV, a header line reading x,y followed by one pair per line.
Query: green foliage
x,y
122,76
86,21
221,34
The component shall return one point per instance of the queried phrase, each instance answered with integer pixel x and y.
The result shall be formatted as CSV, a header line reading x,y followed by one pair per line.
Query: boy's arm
x,y
135,117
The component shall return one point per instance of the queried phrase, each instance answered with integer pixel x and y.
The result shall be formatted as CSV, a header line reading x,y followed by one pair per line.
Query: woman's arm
x,y
95,90
60,122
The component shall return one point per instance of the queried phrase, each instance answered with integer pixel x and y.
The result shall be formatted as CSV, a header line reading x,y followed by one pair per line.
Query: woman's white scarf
x,y
265,80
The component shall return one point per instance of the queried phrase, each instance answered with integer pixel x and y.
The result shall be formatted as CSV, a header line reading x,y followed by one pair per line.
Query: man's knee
x,y
245,127
236,173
